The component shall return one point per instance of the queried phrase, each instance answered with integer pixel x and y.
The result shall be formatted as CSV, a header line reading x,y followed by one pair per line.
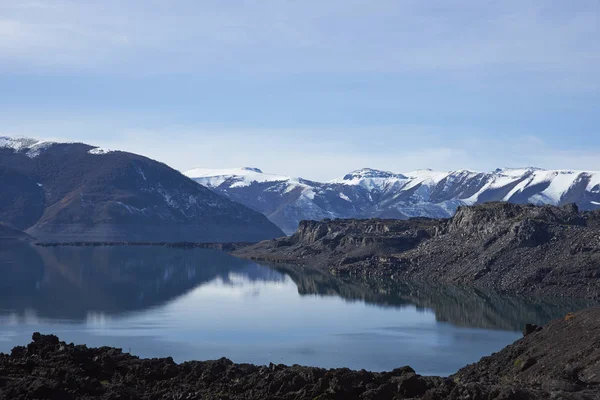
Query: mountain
x,y
370,193
74,191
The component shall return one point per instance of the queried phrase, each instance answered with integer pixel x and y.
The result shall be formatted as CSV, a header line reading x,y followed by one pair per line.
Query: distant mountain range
x,y
368,193
77,192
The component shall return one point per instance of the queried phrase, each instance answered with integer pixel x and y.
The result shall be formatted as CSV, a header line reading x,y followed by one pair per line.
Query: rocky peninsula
x,y
508,248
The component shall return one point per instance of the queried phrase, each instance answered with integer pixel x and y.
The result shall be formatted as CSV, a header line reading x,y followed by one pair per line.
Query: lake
x,y
204,304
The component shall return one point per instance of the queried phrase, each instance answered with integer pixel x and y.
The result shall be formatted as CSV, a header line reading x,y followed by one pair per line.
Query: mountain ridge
x,y
74,191
372,193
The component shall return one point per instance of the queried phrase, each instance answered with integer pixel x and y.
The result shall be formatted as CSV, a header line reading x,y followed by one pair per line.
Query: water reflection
x,y
468,307
204,304
87,282
74,282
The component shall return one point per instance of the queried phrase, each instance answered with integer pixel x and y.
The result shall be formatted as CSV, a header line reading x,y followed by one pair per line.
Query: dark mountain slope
x,y
22,200
505,247
91,194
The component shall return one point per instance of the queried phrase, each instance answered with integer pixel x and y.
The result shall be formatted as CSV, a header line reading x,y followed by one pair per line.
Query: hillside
x,y
73,191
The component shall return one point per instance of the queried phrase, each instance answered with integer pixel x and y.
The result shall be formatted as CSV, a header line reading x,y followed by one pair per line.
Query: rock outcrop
x,y
561,360
510,248
563,356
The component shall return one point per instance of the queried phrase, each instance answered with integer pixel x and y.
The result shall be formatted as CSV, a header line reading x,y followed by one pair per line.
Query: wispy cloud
x,y
310,88
549,42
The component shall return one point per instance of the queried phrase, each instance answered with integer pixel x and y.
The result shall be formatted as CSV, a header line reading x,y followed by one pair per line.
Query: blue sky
x,y
309,88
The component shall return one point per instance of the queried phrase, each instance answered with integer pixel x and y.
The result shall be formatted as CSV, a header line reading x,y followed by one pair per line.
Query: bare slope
x,y
72,191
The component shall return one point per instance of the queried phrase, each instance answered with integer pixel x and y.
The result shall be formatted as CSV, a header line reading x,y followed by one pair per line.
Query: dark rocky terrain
x,y
558,361
73,191
505,247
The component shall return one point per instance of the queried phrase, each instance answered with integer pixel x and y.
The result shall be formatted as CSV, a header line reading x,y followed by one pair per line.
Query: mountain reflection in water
x,y
69,282
204,304
468,307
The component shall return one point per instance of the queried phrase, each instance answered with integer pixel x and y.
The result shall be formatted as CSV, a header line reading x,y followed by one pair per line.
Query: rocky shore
x,y
558,361
508,248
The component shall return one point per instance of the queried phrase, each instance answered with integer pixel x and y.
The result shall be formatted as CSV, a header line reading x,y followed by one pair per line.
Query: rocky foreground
x,y
558,361
508,248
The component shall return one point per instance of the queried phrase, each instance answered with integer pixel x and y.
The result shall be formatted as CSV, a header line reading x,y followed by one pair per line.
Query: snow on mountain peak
x,y
367,192
30,146
238,177
369,173
17,143
100,151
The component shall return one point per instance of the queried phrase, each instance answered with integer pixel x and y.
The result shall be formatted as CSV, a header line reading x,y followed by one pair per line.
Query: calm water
x,y
204,304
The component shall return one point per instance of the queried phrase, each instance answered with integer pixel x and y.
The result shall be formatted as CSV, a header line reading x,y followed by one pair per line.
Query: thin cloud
x,y
555,40
309,88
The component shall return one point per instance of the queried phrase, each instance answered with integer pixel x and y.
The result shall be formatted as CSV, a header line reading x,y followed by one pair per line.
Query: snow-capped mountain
x,y
73,191
371,193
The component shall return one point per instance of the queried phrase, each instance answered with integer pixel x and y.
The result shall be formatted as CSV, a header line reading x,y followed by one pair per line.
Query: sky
x,y
309,88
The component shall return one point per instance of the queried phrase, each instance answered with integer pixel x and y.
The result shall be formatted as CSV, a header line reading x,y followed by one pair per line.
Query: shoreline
x,y
504,247
561,359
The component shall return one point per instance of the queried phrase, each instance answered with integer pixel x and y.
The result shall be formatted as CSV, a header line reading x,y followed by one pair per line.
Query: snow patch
x,y
31,147
140,171
100,151
309,194
424,177
236,177
560,183
344,197
17,143
372,179
594,184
